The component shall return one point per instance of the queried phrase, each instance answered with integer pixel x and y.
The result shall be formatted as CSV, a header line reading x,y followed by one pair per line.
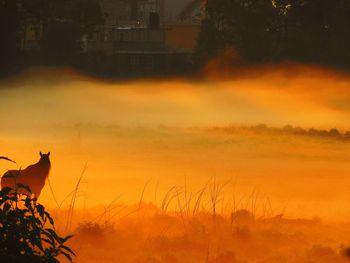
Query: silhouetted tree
x,y
315,31
251,27
9,34
61,42
64,23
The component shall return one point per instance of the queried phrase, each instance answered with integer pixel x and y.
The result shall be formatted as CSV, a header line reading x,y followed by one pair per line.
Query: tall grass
x,y
73,200
205,225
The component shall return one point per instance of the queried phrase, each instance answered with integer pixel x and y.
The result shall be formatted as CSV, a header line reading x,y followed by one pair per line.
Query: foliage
x,y
84,12
27,232
63,23
9,32
249,26
317,30
61,42
313,31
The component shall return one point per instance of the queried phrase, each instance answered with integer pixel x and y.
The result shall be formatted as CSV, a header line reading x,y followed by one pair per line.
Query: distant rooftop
x,y
172,9
175,10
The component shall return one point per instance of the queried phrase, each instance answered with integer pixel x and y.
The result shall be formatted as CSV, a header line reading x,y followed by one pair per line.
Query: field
x,y
249,169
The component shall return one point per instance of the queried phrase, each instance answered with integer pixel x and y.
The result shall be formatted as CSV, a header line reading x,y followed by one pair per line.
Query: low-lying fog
x,y
161,134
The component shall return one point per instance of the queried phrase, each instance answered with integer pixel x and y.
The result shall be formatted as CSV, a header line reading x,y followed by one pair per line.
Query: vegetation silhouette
x,y
266,31
27,231
331,134
247,230
63,24
9,44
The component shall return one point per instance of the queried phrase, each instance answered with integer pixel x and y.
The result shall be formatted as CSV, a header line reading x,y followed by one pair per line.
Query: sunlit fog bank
x,y
159,134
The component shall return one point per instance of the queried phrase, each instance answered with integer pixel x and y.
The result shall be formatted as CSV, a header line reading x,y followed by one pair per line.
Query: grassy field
x,y
144,233
249,169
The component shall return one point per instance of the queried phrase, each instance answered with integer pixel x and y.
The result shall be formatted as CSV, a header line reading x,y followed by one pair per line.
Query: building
x,y
146,8
183,10
182,35
182,21
193,11
133,51
32,33
139,38
129,12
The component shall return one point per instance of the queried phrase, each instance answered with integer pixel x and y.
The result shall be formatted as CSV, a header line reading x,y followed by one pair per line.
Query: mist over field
x,y
252,168
187,131
161,132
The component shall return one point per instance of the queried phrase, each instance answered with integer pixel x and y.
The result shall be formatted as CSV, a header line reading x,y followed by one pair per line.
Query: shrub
x,y
27,231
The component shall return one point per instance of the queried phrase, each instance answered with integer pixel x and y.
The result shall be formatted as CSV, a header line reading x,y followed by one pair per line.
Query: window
x,y
134,60
149,62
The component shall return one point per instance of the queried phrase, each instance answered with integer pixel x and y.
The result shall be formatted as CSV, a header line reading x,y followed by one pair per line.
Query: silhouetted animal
x,y
33,176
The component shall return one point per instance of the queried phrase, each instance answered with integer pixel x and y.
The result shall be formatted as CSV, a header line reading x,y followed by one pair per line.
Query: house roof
x,y
172,9
181,9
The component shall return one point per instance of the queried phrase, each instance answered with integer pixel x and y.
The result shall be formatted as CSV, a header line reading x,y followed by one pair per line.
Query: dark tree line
x,y
265,31
9,34
63,23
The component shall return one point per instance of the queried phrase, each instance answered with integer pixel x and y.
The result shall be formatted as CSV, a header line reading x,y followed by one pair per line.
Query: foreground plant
x,y
27,231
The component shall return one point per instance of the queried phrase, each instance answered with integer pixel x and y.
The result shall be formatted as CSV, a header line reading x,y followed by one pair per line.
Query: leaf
x,y
41,210
49,241
67,256
7,159
23,186
66,238
38,222
50,218
36,242
53,234
50,237
68,249
4,199
5,191
7,207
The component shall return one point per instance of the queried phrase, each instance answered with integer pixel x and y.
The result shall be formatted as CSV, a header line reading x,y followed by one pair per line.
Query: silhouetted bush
x,y
347,134
92,232
334,132
27,232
